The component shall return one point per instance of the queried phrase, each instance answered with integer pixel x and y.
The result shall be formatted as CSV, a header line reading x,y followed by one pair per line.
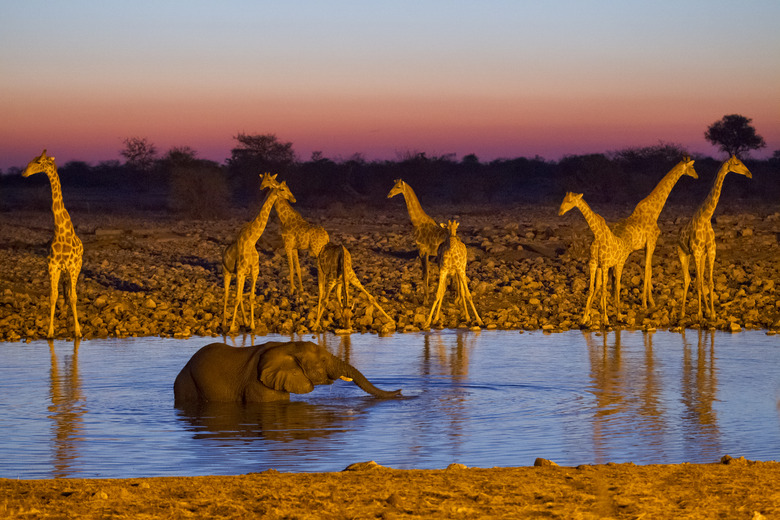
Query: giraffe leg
x,y
323,300
464,289
684,261
436,307
425,268
604,279
291,254
239,300
72,297
698,262
253,273
586,315
298,270
618,272
226,276
54,280
374,302
710,268
647,288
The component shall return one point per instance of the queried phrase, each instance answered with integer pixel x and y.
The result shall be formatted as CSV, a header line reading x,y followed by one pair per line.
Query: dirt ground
x,y
737,490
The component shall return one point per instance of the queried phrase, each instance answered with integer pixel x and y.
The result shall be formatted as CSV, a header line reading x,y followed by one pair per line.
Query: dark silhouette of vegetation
x,y
734,135
139,153
181,183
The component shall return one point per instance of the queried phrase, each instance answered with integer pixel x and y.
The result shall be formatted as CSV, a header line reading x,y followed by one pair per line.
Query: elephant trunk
x,y
346,370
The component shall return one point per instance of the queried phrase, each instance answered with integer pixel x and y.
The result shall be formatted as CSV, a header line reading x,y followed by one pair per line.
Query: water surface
x,y
104,408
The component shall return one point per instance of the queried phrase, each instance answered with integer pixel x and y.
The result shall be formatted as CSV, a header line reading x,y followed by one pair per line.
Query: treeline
x,y
183,184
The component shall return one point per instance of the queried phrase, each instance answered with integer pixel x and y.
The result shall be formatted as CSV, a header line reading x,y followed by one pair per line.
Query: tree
x,y
263,150
734,135
139,153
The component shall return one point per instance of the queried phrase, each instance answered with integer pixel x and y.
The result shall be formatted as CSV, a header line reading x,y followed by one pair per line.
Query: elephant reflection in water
x,y
66,410
280,421
265,372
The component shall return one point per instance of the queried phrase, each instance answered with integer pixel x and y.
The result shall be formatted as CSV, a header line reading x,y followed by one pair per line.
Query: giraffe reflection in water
x,y
66,410
623,383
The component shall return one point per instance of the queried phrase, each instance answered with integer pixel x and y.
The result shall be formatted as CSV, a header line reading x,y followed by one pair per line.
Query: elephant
x,y
265,372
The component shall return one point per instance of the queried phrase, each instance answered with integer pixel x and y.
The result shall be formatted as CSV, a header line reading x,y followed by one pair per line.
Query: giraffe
x,y
240,257
640,229
298,234
428,234
452,256
697,238
334,269
66,248
607,251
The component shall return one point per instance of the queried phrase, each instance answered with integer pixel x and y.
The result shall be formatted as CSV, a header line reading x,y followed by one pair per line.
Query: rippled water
x,y
105,408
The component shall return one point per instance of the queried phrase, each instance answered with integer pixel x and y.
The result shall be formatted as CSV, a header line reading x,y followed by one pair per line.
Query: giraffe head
x,y
283,192
39,164
687,165
452,227
569,201
733,165
269,181
398,188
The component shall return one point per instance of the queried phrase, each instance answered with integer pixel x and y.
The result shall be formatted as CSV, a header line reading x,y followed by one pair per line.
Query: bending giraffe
x,y
298,234
428,234
697,239
334,270
452,258
66,248
607,251
640,229
240,257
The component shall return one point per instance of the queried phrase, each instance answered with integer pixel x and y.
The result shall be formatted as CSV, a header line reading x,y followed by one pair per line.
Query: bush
x,y
199,190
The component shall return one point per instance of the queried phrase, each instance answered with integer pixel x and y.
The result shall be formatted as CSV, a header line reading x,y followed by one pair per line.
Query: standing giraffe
x,y
298,234
428,234
606,252
640,229
697,238
334,269
66,248
240,257
452,258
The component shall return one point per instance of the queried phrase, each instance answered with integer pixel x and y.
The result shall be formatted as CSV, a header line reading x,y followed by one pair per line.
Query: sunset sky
x,y
495,78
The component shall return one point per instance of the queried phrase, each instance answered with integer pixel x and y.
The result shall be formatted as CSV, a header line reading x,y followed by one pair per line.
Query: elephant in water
x,y
266,372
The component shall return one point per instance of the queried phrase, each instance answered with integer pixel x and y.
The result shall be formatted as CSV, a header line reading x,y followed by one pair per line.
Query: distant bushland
x,y
205,189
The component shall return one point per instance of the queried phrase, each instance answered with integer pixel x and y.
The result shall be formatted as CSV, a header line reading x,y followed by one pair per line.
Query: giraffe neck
x,y
287,215
62,222
707,209
596,222
416,213
256,227
654,203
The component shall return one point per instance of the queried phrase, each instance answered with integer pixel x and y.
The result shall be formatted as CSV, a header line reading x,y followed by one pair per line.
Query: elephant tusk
x,y
345,378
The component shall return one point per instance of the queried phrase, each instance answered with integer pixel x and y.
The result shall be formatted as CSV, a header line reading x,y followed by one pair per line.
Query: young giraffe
x,y
66,248
607,251
241,258
640,229
334,269
452,256
428,234
298,234
697,238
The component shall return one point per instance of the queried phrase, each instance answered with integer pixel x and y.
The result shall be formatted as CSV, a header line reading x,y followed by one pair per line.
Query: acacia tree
x,y
734,135
139,153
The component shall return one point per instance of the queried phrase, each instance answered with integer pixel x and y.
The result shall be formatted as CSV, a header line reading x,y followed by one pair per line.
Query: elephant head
x,y
298,366
267,372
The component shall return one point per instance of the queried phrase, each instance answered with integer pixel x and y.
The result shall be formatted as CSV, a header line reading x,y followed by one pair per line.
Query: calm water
x,y
491,398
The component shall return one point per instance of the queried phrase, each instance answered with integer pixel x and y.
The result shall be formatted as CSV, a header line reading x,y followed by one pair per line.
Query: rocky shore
x,y
154,275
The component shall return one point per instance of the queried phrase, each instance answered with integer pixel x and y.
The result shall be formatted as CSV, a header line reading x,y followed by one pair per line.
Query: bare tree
x,y
139,153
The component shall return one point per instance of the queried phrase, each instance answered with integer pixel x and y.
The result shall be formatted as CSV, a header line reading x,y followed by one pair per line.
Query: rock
x,y
363,466
540,462
456,467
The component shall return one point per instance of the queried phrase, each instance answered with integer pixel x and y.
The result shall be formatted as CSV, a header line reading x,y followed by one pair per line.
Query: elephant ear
x,y
283,373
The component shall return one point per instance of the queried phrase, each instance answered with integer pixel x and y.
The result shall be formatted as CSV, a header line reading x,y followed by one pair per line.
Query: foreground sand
x,y
735,491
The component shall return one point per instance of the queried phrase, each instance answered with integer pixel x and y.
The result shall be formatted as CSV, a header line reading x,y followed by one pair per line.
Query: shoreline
x,y
733,488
